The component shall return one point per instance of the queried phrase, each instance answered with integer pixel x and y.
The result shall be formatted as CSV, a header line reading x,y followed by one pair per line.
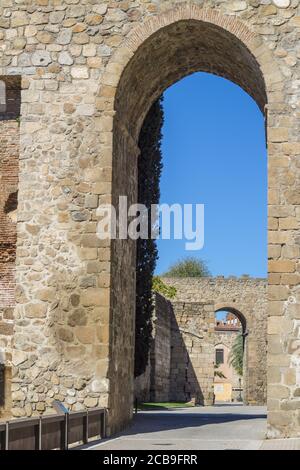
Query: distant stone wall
x,y
181,360
160,354
247,298
192,357
142,386
154,384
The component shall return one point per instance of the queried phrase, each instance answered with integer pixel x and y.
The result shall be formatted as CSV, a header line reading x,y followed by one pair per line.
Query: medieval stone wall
x,y
247,298
160,353
192,356
154,383
90,71
182,356
142,386
181,359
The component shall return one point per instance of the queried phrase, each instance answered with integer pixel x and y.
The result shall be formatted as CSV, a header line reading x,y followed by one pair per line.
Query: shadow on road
x,y
226,426
149,421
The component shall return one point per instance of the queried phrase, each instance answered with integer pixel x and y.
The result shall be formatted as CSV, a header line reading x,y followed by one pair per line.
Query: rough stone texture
x,y
193,352
160,352
182,354
181,359
154,384
79,131
247,299
142,386
9,169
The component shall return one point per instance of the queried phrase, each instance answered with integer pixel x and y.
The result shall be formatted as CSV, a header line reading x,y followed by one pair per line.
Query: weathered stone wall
x,y
9,169
160,353
181,359
258,54
192,354
90,71
154,384
247,298
142,386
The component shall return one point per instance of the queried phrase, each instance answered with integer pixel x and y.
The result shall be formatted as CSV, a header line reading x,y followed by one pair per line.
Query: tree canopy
x,y
188,267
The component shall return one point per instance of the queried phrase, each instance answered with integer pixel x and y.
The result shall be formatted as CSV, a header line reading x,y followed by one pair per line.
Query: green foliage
x,y
159,286
218,373
149,171
236,356
188,267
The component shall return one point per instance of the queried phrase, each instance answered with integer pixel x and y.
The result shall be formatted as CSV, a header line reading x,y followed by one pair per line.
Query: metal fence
x,y
59,431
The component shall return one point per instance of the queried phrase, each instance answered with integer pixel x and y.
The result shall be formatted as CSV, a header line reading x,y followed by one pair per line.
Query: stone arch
x,y
222,344
156,54
248,378
235,312
254,390
184,12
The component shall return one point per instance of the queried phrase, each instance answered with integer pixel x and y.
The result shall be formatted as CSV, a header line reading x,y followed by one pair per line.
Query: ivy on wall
x,y
159,286
149,171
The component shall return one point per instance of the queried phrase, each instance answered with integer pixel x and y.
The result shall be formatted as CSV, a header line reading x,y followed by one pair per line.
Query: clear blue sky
x,y
214,153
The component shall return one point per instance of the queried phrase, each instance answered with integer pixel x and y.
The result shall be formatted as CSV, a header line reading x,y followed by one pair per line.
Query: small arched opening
x,y
230,355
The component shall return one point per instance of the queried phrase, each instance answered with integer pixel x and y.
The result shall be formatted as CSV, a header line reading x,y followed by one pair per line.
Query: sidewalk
x,y
281,444
226,427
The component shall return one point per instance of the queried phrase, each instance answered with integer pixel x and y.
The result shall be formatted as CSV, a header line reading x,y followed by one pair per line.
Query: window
x,y
2,97
219,356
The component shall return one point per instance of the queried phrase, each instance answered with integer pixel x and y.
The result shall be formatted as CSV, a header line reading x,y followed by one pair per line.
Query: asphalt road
x,y
219,427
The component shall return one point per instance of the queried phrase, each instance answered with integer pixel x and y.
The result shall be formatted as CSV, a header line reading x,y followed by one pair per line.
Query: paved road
x,y
220,427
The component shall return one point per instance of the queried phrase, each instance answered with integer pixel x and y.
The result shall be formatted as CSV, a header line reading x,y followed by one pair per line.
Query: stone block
x,y
35,310
85,334
95,296
279,418
6,328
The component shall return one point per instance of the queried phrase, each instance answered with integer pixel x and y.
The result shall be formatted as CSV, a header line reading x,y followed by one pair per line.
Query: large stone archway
x,y
155,56
163,51
74,318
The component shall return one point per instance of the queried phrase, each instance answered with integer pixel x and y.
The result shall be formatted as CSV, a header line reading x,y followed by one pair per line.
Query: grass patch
x,y
163,406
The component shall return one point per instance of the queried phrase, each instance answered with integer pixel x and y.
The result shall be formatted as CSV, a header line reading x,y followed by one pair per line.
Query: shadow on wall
x,y
181,362
184,383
